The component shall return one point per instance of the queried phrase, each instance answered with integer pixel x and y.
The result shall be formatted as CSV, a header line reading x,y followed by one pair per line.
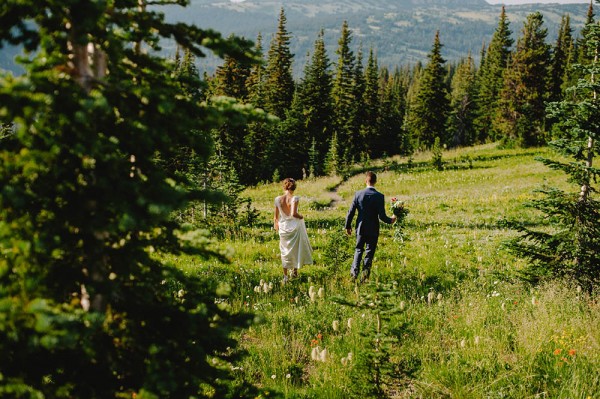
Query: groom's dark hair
x,y
371,177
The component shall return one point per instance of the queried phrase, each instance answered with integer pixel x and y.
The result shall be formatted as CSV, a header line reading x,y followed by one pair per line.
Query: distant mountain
x,y
400,31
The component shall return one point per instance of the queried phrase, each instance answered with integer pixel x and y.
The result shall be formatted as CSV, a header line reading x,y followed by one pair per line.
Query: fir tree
x,y
279,82
370,106
391,138
571,246
463,102
86,200
429,112
314,94
343,88
520,118
562,56
490,78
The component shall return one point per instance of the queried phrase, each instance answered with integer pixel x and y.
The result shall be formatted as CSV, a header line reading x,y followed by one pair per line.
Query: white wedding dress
x,y
293,239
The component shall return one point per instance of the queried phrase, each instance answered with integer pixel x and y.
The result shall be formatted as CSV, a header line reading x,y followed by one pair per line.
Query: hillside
x,y
401,31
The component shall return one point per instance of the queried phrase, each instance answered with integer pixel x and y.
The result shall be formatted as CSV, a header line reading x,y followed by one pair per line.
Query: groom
x,y
370,205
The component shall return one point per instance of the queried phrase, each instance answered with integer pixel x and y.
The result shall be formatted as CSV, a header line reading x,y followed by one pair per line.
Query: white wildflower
x,y
344,361
314,354
349,322
463,343
335,325
323,355
349,356
402,305
430,297
439,297
477,340
273,376
288,376
265,288
321,292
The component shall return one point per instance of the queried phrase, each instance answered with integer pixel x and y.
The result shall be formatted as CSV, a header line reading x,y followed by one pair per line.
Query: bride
x,y
293,239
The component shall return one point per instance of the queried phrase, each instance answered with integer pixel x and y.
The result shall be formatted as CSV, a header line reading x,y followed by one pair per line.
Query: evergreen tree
x,y
88,311
256,142
520,117
356,146
370,106
391,138
561,59
333,163
571,247
490,78
343,89
279,82
314,94
430,110
231,78
463,103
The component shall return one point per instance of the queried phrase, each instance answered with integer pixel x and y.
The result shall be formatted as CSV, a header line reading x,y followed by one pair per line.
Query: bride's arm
x,y
295,210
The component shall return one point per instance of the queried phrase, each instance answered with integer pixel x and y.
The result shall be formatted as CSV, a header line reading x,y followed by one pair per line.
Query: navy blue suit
x,y
370,205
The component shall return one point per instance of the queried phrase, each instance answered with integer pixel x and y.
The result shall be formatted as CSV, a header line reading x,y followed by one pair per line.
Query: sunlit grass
x,y
467,328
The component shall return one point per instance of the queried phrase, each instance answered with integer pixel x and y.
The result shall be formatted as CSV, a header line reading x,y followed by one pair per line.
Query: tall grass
x,y
464,324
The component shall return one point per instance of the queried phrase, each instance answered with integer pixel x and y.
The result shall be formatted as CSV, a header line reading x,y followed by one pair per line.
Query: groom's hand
x,y
349,232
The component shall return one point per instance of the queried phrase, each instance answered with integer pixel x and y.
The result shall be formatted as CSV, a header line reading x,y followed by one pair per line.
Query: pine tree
x,y
430,109
571,247
562,57
490,78
231,79
279,82
88,310
343,88
370,105
256,142
463,102
391,138
520,118
314,94
333,163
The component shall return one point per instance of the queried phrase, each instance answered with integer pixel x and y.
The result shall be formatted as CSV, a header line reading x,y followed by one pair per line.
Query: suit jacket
x,y
370,205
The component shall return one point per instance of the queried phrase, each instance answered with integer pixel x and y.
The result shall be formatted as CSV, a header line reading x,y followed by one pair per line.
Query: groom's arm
x,y
381,211
350,216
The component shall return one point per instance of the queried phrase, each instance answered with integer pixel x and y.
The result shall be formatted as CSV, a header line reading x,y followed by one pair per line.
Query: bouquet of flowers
x,y
399,210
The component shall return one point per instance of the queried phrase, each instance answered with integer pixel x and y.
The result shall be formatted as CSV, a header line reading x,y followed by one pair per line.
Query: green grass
x,y
467,326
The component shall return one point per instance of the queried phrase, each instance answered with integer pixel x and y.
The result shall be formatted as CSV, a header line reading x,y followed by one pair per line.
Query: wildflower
x,y
430,297
335,325
319,336
265,288
314,342
262,282
557,351
311,290
349,356
572,352
321,292
349,322
314,354
180,293
402,305
257,289
503,306
344,361
313,296
288,376
323,355
463,343
534,301
477,340
273,376
439,297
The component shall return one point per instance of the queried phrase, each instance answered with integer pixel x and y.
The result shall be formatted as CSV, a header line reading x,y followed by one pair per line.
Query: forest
x,y
138,257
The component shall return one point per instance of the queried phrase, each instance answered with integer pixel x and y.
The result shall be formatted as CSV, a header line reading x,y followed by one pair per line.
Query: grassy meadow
x,y
444,315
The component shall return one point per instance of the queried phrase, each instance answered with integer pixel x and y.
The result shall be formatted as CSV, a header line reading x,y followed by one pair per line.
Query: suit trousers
x,y
365,245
